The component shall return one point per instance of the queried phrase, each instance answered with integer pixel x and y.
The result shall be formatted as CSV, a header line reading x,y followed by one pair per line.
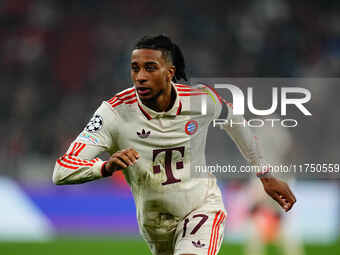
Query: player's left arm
x,y
248,146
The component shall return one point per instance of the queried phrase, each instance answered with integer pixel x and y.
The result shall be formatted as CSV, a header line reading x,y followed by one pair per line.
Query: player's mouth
x,y
142,91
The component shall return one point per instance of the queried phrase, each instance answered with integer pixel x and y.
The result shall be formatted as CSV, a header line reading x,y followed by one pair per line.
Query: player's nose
x,y
141,77
141,81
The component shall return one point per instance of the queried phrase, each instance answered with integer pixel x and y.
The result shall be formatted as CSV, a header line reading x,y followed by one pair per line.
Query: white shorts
x,y
199,233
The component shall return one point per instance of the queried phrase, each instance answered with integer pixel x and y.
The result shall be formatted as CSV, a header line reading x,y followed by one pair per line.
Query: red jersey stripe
x,y
120,95
81,147
128,97
179,108
144,112
75,163
116,104
192,94
217,229
212,231
189,89
214,234
80,160
131,102
182,86
218,233
76,148
75,145
66,166
112,99
124,101
125,93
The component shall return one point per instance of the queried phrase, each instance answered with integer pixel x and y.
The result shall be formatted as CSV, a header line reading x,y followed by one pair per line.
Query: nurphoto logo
x,y
239,103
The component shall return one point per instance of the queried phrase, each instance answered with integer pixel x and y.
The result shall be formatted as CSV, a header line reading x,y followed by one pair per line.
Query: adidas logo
x,y
143,134
198,244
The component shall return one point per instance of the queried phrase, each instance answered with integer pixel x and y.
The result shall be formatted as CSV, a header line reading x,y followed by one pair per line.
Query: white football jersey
x,y
169,143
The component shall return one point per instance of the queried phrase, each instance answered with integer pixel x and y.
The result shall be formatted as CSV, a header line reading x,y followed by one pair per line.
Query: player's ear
x,y
171,72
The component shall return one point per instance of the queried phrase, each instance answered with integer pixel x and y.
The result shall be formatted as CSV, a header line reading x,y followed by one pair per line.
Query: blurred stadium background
x,y
60,58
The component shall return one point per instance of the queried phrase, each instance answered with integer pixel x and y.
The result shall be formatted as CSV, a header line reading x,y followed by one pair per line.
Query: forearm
x,y
77,174
78,167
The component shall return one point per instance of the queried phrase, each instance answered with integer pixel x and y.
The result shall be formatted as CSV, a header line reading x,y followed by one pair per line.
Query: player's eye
x,y
150,68
135,69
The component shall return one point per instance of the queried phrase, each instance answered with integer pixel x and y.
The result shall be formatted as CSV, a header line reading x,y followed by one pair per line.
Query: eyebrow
x,y
146,63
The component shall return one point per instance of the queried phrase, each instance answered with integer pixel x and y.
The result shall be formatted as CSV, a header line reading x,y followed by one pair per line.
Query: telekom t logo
x,y
238,100
167,164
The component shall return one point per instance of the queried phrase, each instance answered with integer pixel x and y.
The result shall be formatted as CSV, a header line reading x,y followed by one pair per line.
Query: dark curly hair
x,y
170,51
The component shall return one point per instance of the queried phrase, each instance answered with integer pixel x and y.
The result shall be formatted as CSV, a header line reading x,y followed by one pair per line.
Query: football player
x,y
155,135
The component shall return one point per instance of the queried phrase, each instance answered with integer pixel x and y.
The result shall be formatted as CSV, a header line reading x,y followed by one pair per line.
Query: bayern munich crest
x,y
191,127
95,124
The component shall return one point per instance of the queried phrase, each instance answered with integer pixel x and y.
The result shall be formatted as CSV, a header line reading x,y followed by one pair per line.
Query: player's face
x,y
150,72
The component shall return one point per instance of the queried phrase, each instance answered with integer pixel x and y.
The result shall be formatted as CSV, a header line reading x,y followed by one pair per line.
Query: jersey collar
x,y
151,114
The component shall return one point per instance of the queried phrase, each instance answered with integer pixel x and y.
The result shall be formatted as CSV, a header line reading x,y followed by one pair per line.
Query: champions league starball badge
x,y
95,124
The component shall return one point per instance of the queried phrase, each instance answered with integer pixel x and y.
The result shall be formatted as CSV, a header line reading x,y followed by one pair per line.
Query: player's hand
x,y
121,160
279,191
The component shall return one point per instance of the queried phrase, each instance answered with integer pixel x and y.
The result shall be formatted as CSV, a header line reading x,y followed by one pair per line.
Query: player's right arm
x,y
80,163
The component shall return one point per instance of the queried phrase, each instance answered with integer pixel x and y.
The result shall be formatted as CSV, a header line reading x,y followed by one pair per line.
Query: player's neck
x,y
164,101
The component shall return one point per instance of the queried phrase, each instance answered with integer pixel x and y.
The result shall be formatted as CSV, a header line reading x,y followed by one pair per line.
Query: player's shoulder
x,y
193,96
187,90
198,90
124,98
